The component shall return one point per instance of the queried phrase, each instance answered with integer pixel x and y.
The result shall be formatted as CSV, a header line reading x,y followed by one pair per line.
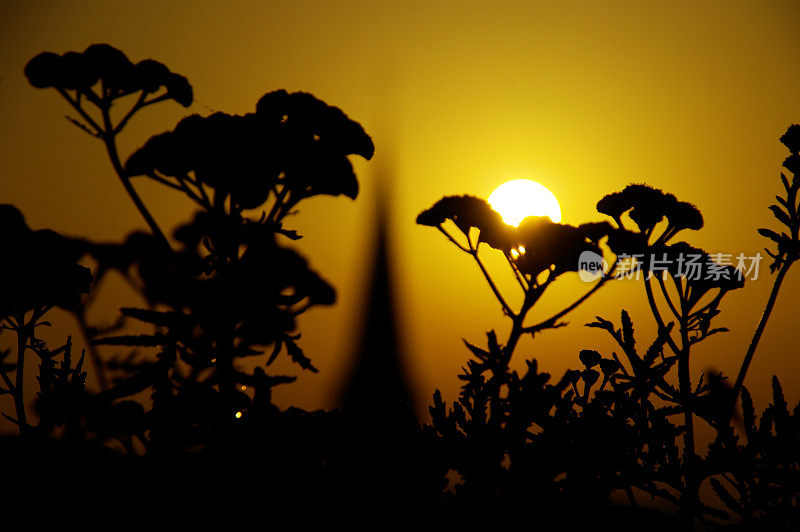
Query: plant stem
x,y
19,386
657,315
685,385
517,330
497,294
109,139
762,324
551,321
690,493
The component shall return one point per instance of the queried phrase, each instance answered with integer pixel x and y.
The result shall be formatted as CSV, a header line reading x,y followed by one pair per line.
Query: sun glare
x,y
517,199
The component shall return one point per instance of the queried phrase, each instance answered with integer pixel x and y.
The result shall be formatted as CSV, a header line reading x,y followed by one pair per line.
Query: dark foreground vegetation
x,y
176,419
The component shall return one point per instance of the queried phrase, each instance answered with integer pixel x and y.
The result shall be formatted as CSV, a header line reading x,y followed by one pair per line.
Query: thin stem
x,y
685,385
762,324
80,110
138,105
497,294
453,240
166,182
516,328
657,315
19,388
666,295
550,322
520,278
111,147
275,211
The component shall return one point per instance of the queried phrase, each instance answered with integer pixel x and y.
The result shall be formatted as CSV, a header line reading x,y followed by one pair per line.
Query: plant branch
x,y
497,294
762,324
551,321
109,139
657,315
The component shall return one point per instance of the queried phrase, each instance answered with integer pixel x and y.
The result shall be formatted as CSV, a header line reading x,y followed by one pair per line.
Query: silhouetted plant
x,y
695,279
39,272
225,288
229,289
487,431
787,253
93,81
757,478
624,406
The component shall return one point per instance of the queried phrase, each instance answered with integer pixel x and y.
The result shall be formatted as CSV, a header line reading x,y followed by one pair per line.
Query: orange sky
x,y
583,97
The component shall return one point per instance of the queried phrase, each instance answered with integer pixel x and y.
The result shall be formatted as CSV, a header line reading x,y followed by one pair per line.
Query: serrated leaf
x,y
298,356
772,235
139,340
477,351
628,340
781,215
785,181
602,324
657,347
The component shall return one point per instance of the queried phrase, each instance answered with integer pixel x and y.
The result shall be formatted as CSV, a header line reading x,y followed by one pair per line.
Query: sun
x,y
517,199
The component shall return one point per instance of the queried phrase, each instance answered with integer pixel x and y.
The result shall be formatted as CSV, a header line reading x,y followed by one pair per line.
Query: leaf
x,y
494,346
129,386
657,347
726,496
602,324
297,355
662,368
778,401
781,215
628,341
748,413
161,319
140,340
772,235
289,233
275,350
785,181
477,351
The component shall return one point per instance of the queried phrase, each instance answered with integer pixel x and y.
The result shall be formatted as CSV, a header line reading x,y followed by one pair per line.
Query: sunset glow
x,y
520,198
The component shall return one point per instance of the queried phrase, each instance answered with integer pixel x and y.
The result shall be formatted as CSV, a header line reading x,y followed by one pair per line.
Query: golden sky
x,y
584,97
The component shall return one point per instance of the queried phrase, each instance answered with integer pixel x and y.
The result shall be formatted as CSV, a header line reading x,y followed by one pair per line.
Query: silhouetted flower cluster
x,y
648,206
39,269
293,146
106,64
553,246
468,212
538,244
